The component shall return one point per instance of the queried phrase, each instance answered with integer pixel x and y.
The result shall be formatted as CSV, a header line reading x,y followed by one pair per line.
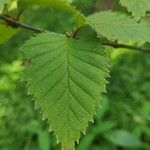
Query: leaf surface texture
x,y
138,8
66,77
117,26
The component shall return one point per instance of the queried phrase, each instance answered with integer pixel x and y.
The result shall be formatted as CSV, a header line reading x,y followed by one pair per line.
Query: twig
x,y
16,24
116,45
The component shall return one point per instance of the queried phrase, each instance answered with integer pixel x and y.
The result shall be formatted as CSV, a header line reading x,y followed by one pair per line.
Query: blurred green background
x,y
123,121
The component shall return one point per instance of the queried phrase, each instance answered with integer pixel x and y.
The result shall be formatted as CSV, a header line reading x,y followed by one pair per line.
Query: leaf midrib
x,y
68,45
68,68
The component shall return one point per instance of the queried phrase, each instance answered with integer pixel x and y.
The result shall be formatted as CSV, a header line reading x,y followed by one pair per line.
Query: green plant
x,y
67,73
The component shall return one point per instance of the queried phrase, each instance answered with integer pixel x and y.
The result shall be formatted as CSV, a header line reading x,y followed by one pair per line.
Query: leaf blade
x,y
138,8
117,26
58,4
123,138
6,33
2,5
66,94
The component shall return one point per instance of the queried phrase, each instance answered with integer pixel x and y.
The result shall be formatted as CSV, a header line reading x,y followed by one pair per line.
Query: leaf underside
x,y
117,26
138,8
66,77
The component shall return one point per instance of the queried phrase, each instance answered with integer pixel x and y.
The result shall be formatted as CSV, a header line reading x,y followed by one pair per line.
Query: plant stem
x,y
117,45
16,24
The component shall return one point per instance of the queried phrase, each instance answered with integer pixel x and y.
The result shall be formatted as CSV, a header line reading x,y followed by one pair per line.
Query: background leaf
x,y
6,33
123,138
2,5
58,4
117,26
138,8
44,140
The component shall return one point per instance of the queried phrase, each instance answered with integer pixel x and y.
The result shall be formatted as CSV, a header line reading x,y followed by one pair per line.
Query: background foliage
x,y
121,124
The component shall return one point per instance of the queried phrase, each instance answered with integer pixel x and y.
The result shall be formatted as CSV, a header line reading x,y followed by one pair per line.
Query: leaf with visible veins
x,y
138,8
67,77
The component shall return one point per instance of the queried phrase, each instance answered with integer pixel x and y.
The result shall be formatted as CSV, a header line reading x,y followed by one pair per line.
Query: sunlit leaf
x,y
117,26
66,77
6,32
2,2
138,8
58,4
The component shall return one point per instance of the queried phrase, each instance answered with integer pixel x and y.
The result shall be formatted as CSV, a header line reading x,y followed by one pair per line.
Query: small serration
x,y
66,77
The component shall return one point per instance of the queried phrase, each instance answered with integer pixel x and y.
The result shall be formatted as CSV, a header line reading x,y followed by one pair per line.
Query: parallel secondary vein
x,y
73,112
47,62
88,77
58,81
47,52
86,62
92,52
82,89
58,99
79,102
52,71
41,43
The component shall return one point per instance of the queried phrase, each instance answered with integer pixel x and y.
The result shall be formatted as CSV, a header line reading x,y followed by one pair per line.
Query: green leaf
x,y
66,77
2,2
1,5
6,33
44,140
58,4
103,127
123,138
7,5
11,5
101,112
86,142
113,25
99,129
69,1
138,8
